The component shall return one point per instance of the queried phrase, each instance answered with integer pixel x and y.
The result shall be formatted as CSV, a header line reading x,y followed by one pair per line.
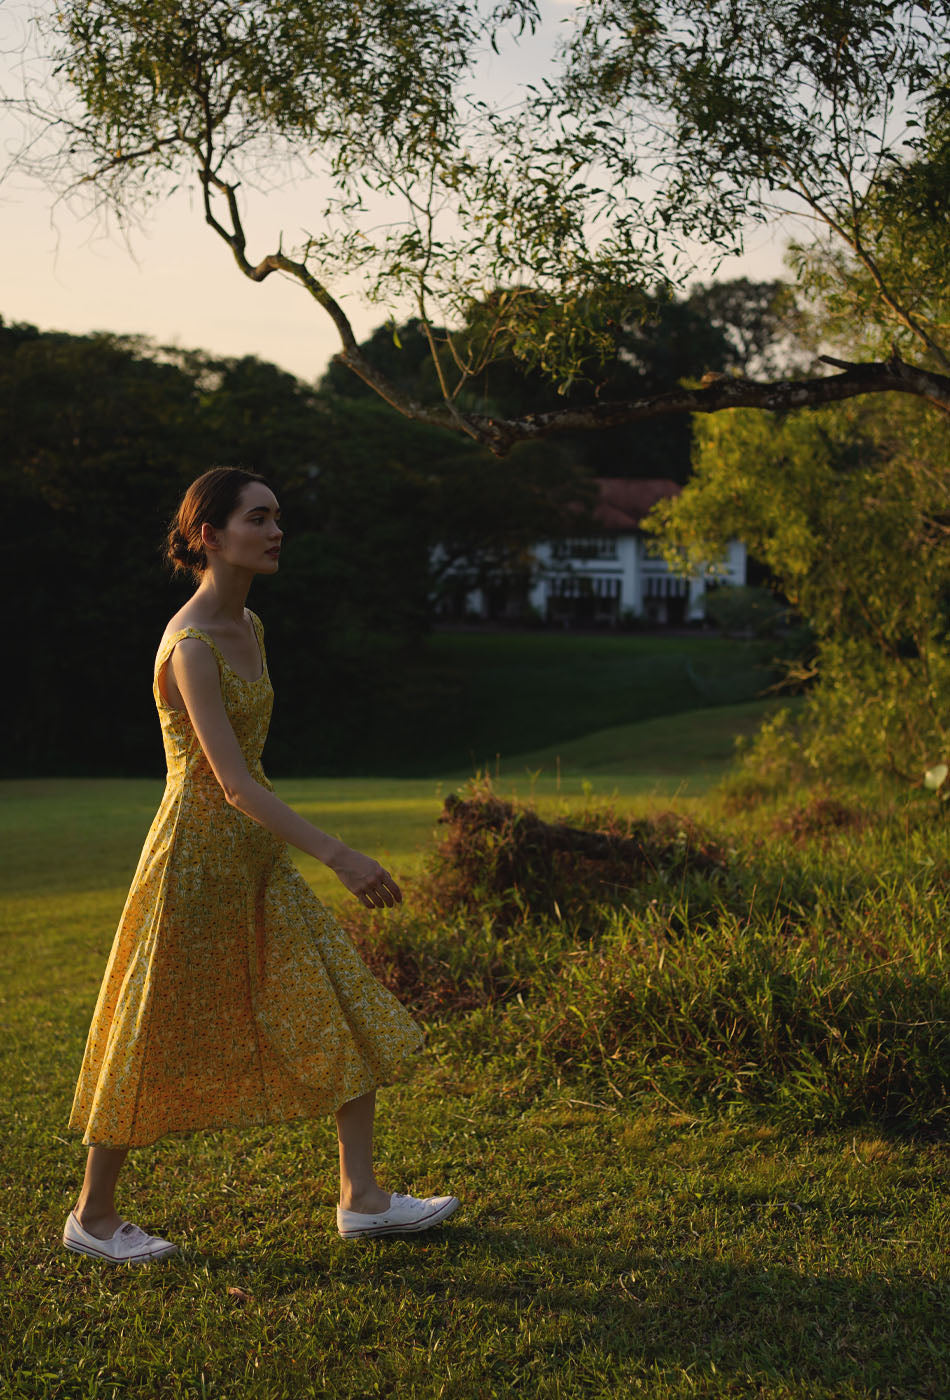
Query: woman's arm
x,y
195,672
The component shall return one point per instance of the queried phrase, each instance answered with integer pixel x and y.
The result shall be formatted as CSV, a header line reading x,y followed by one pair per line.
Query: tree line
x,y
102,433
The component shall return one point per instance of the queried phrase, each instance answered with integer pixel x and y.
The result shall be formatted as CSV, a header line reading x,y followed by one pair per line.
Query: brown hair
x,y
212,497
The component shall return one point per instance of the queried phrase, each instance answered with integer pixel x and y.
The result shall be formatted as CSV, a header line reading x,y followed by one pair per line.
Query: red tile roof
x,y
623,501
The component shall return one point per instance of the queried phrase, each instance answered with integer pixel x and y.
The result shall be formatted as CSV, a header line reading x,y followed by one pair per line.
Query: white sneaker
x,y
404,1215
129,1245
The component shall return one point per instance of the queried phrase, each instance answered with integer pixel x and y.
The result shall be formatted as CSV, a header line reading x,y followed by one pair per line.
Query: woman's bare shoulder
x,y
187,617
177,624
183,618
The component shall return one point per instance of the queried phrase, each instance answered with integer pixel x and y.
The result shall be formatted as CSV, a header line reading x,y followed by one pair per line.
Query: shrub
x,y
502,853
741,1017
743,611
647,958
820,815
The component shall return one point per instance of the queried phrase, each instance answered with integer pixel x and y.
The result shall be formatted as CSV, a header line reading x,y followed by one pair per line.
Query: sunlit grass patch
x,y
616,1237
711,975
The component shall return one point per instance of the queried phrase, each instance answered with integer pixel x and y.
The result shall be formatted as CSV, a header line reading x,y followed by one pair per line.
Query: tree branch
x,y
351,354
717,392
721,392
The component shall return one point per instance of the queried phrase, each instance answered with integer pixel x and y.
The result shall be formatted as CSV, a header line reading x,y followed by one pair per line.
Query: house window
x,y
583,586
666,586
595,547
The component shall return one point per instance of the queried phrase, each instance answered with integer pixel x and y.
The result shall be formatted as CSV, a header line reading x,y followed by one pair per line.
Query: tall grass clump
x,y
735,1016
499,875
793,967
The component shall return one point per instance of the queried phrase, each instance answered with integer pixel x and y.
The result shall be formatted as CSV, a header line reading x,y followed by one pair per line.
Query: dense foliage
x,y
847,507
540,228
102,434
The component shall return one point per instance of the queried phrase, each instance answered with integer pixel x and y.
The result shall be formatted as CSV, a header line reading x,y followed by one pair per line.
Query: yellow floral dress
x,y
231,995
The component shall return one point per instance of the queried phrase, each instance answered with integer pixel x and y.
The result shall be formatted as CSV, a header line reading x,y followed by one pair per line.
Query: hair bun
x,y
183,556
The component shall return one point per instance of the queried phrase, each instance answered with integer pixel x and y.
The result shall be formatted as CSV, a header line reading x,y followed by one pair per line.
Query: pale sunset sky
x,y
179,283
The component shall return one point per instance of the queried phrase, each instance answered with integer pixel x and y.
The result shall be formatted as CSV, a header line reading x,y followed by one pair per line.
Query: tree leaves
x,y
845,506
664,125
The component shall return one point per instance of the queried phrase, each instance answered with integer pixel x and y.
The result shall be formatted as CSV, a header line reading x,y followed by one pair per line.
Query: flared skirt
x,y
232,996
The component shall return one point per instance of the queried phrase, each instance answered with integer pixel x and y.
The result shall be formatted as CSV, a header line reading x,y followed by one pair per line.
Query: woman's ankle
x,y
371,1199
98,1220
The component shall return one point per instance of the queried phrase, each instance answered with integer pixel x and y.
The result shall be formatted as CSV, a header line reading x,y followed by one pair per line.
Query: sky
x,y
173,279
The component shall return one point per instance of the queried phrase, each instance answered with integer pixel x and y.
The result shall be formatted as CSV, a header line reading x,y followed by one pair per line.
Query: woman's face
x,y
251,538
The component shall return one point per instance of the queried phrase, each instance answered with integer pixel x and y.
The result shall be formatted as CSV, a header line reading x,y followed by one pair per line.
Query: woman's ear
x,y
209,536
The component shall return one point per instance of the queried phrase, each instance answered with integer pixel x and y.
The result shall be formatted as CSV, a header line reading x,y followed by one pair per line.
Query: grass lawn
x,y
92,841
601,1250
478,695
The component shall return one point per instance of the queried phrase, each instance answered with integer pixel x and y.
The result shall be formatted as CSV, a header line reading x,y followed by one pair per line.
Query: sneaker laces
x,y
413,1201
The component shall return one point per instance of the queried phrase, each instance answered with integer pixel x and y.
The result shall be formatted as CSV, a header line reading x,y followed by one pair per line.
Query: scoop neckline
x,y
220,654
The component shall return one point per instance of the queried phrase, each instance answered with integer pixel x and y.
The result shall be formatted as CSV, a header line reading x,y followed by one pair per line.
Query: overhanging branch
x,y
716,393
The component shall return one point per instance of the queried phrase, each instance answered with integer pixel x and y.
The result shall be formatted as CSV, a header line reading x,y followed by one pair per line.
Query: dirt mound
x,y
820,816
505,852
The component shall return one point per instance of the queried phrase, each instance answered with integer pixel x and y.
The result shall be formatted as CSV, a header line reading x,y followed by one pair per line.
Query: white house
x,y
601,577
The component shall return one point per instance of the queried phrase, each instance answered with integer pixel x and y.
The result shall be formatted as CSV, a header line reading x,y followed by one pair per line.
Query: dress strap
x,y
259,633
172,640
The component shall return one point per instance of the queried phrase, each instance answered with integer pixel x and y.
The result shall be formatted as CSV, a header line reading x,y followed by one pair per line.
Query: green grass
x,y
98,834
597,1253
478,695
693,749
605,1247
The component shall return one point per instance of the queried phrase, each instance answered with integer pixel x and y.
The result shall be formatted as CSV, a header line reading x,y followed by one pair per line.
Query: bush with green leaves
x,y
741,610
847,509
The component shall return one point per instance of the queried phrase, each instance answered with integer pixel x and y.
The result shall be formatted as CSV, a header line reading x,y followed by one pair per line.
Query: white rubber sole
x,y
94,1253
435,1217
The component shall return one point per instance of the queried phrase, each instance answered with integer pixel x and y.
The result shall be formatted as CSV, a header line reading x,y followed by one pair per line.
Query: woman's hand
x,y
366,878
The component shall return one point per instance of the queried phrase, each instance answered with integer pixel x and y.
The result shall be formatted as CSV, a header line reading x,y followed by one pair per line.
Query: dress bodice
x,y
248,705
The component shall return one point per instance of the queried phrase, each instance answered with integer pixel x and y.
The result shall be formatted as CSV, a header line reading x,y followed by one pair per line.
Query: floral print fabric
x,y
231,995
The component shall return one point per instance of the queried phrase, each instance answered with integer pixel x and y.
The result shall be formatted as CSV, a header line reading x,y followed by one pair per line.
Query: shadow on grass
x,y
635,1309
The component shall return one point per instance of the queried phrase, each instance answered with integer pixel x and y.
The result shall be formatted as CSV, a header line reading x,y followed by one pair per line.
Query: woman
x,y
232,995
